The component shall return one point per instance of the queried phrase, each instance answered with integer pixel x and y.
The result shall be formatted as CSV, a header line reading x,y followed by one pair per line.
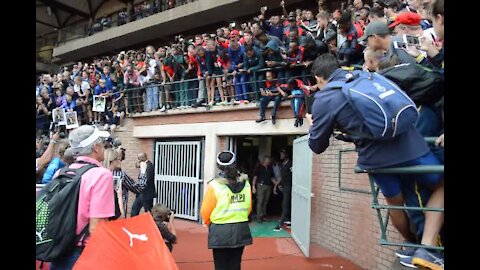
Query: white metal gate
x,y
301,193
177,176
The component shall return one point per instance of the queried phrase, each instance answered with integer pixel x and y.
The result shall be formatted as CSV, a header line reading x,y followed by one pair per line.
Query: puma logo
x,y
39,234
141,237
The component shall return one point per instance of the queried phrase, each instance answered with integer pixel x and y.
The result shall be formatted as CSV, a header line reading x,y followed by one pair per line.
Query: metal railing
x,y
340,163
375,191
187,92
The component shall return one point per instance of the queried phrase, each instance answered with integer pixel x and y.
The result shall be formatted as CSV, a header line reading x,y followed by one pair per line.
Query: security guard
x,y
225,210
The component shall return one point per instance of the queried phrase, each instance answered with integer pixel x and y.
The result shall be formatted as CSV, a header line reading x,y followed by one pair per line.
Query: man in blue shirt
x,y
58,162
331,110
236,53
106,76
252,62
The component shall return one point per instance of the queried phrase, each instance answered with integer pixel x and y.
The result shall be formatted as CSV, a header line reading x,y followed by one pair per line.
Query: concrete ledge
x,y
213,109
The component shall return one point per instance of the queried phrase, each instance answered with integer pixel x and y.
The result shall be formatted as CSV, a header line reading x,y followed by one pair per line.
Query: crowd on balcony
x,y
139,11
230,66
268,58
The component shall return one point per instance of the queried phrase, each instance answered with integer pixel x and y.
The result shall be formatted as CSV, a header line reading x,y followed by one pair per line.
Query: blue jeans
x,y
183,96
152,98
192,92
240,87
264,100
67,262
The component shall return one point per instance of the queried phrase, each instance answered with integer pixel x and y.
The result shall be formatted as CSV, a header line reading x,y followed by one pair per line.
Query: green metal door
x,y
301,193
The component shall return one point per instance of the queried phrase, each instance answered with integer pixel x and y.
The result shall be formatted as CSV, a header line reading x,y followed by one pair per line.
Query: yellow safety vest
x,y
231,207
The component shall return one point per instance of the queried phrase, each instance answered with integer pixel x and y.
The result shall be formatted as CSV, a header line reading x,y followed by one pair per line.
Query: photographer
x,y
164,217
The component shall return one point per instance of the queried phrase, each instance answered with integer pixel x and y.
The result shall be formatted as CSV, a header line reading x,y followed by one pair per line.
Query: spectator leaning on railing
x,y
331,109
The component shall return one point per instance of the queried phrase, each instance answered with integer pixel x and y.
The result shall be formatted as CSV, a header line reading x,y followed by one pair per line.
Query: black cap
x,y
225,158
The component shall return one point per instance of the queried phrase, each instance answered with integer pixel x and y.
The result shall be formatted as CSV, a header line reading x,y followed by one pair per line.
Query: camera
x,y
411,40
170,213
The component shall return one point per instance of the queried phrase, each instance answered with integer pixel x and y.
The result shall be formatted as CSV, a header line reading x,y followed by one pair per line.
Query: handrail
x,y
417,169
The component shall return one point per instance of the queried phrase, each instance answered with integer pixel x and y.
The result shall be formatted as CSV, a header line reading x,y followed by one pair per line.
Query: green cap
x,y
376,27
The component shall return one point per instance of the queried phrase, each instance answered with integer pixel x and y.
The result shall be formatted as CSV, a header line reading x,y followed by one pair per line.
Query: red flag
x,y
126,244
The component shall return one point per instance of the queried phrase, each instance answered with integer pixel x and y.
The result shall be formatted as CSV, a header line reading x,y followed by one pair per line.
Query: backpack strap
x,y
78,174
336,84
83,235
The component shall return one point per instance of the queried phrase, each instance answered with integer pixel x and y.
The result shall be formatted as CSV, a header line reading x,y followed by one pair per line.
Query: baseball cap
x,y
408,18
377,28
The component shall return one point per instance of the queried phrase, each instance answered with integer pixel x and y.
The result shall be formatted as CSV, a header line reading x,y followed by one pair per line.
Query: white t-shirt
x,y
340,40
85,86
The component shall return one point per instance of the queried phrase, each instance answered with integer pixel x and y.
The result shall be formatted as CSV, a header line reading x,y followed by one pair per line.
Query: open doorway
x,y
251,150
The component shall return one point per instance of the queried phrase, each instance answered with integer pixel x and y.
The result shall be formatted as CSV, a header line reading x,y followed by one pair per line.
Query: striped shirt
x,y
131,185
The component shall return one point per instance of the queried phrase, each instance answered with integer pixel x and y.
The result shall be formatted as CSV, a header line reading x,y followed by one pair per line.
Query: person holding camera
x,y
225,211
164,217
271,92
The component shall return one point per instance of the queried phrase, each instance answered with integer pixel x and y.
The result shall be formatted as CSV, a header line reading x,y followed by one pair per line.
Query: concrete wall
x,y
211,125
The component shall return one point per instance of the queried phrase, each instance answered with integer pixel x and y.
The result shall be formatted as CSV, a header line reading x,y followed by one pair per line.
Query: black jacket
x,y
149,192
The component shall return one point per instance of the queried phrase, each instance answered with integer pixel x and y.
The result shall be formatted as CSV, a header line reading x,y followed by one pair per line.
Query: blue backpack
x,y
382,106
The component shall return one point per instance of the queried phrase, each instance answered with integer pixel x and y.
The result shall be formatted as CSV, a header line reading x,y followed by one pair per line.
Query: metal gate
x,y
301,193
177,176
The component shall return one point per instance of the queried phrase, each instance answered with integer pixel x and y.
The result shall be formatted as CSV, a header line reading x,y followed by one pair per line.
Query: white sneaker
x,y
163,109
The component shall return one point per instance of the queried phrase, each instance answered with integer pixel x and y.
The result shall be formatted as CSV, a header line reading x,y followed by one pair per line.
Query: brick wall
x,y
222,143
343,221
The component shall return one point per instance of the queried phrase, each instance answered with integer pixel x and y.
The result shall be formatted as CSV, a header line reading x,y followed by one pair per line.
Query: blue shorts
x,y
391,184
416,195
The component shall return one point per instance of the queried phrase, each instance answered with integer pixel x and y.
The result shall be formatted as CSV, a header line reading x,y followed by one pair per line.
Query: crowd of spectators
x,y
229,66
265,59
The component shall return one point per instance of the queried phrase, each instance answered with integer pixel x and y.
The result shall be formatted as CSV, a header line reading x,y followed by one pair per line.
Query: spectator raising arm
x,y
284,10
47,156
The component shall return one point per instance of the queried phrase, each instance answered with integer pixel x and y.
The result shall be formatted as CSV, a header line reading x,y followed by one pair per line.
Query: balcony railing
x,y
83,30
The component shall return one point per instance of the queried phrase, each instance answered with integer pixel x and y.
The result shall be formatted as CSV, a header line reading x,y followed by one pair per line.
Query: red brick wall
x,y
343,221
222,143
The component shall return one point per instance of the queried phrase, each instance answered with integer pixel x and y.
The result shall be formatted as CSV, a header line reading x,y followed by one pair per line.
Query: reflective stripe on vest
x,y
231,207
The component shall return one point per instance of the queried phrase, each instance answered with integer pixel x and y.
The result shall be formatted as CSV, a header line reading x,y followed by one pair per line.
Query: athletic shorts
x,y
390,184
